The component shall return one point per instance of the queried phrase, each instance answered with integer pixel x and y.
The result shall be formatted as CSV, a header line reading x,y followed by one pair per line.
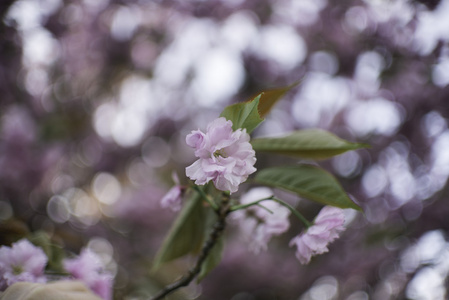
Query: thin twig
x,y
266,208
291,208
217,230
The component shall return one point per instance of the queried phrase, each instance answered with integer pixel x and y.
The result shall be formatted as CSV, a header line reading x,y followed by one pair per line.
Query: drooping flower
x,y
259,224
89,269
22,262
326,228
172,199
225,156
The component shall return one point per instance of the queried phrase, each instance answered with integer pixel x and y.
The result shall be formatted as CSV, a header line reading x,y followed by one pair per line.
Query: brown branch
x,y
216,232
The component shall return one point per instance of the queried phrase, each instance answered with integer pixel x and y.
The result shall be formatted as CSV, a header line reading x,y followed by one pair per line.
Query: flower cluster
x,y
24,262
225,156
259,224
21,262
326,228
89,269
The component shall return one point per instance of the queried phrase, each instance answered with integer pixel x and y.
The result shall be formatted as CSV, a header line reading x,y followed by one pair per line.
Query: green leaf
x,y
269,98
308,143
243,115
54,252
250,114
309,182
186,235
213,259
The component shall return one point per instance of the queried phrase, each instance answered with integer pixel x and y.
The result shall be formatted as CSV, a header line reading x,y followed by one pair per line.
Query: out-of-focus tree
x,y
98,96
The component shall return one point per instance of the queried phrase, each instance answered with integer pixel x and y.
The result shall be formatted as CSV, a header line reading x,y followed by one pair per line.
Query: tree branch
x,y
217,231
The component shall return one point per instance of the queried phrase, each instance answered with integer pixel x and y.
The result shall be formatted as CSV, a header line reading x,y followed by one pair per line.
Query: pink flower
x,y
326,228
226,157
173,197
22,262
89,269
257,223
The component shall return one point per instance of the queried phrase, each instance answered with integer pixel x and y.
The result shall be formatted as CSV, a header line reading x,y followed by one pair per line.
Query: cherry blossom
x,y
326,228
259,224
225,156
173,199
22,262
89,269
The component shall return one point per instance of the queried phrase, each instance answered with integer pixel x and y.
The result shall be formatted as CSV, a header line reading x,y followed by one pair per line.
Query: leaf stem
x,y
243,206
206,197
294,211
215,234
291,208
266,208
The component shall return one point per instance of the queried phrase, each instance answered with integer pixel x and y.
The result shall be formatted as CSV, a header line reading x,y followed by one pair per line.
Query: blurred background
x,y
97,97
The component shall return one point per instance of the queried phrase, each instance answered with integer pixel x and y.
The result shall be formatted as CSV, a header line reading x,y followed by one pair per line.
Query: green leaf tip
x,y
308,143
251,113
307,181
270,97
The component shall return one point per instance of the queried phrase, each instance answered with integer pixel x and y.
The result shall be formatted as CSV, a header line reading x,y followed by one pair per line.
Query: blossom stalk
x,y
272,198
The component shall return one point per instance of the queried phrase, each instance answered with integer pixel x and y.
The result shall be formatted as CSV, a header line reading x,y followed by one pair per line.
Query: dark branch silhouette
x,y
217,231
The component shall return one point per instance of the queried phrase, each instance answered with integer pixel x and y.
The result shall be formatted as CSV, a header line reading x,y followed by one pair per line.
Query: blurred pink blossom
x,y
22,262
326,228
173,198
257,223
225,156
89,269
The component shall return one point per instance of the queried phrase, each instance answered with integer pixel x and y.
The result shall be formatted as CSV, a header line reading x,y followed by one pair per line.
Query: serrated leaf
x,y
308,143
309,182
269,98
243,115
186,235
213,259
